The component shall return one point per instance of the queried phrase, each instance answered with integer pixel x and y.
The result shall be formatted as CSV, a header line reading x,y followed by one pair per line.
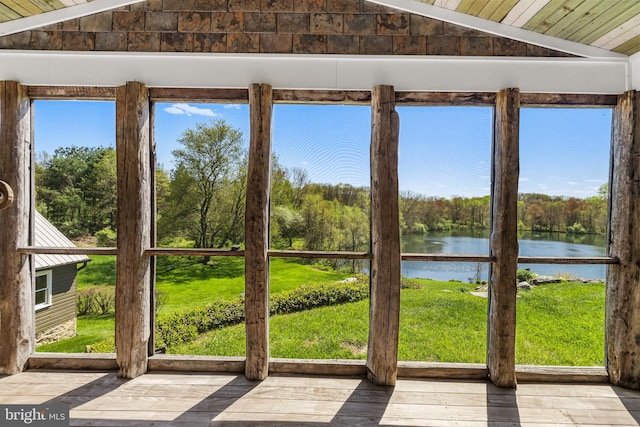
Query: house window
x,y
445,206
43,291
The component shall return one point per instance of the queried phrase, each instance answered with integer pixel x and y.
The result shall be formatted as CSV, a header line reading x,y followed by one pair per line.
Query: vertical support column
x,y
622,320
384,311
153,232
501,330
257,233
134,229
17,316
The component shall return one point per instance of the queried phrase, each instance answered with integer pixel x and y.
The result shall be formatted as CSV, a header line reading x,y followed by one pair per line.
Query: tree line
x,y
201,201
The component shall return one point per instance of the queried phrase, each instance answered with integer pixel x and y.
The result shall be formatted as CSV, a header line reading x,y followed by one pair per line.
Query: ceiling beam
x,y
499,29
60,15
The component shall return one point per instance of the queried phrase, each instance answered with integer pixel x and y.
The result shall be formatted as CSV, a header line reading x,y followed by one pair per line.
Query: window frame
x,y
48,290
324,96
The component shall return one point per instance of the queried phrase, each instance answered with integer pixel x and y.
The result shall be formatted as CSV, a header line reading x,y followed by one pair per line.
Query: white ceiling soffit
x,y
318,72
60,15
496,28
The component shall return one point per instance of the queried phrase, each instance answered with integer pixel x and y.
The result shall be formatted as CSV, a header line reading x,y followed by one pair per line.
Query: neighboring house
x,y
55,290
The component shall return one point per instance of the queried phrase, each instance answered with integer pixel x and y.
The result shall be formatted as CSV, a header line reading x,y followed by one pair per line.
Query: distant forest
x,y
202,200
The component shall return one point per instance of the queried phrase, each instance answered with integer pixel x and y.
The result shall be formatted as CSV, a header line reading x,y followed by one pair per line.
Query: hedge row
x,y
185,325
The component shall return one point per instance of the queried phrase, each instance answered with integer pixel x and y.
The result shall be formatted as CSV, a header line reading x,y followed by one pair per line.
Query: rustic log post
x,y
501,328
134,229
153,233
257,233
384,311
17,316
622,320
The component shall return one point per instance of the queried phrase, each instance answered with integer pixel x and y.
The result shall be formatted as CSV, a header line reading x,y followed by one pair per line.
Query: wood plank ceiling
x,y
609,24
16,9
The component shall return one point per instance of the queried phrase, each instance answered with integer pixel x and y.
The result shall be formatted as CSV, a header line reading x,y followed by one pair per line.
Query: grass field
x,y
557,324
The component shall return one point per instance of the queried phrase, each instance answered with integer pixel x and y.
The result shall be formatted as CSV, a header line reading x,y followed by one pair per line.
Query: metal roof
x,y
49,236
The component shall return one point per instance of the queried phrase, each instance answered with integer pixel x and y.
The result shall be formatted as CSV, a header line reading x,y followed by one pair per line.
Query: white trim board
x,y
634,71
341,72
499,29
60,15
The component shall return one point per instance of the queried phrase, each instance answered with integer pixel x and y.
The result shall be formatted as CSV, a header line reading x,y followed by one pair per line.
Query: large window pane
x,y
201,174
320,202
318,312
444,177
87,290
200,305
320,178
75,183
562,212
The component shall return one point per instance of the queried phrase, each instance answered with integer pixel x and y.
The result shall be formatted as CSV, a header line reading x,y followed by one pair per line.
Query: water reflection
x,y
476,242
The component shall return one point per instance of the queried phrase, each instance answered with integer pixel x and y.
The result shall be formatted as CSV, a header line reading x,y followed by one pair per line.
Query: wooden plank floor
x,y
194,399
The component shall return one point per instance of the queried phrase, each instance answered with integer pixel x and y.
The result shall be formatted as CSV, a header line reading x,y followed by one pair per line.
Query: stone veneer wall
x,y
355,27
64,330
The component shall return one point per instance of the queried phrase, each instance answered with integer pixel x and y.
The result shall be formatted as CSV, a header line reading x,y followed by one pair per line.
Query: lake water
x,y
476,242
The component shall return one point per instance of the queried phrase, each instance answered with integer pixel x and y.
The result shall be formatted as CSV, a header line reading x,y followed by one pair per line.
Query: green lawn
x,y
186,281
557,324
91,329
561,324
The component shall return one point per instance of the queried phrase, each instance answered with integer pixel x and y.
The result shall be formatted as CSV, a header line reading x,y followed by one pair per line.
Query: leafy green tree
x,y
207,189
286,223
282,191
354,229
318,222
76,189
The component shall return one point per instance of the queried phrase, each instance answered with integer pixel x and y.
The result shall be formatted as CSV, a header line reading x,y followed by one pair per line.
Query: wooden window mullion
x,y
623,290
384,314
257,233
17,317
133,294
501,328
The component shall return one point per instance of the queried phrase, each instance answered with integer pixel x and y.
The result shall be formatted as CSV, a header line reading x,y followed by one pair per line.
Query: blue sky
x,y
443,151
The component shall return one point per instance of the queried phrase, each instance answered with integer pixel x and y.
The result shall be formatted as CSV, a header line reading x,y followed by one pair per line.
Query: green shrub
x,y
408,283
318,295
106,346
524,275
84,301
175,329
106,237
96,300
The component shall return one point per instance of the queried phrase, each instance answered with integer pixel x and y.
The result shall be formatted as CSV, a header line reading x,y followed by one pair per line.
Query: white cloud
x,y
189,110
232,106
572,183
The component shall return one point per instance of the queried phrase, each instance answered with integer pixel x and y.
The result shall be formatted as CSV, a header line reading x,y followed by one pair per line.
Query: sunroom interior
x,y
387,54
